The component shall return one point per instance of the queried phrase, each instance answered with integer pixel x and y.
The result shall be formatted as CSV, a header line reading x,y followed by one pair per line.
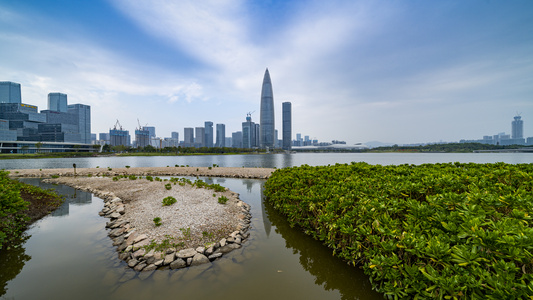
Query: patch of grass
x,y
222,199
167,201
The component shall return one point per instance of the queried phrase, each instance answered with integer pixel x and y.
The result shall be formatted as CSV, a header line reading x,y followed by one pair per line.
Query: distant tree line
x,y
452,147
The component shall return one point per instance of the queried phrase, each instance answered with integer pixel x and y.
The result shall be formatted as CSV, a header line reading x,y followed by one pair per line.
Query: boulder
x,y
178,264
227,248
186,253
169,258
199,259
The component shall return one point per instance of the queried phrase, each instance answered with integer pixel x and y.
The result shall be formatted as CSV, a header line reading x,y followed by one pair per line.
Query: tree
x,y
38,146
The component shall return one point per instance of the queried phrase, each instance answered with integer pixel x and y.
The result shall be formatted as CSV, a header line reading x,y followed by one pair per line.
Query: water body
x,y
69,256
266,160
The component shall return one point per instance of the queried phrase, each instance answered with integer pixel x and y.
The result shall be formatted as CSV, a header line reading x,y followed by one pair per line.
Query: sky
x,y
402,72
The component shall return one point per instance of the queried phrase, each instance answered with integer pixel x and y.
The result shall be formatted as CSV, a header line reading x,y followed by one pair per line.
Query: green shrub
x,y
168,186
55,176
150,178
429,231
132,177
222,199
127,167
157,221
169,201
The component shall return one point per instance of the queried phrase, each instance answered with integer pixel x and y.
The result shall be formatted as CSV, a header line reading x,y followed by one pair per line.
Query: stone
x,y
209,250
214,256
159,262
130,232
170,250
149,257
116,232
222,242
150,267
120,210
186,253
132,262
114,215
124,256
139,253
141,244
131,238
228,248
169,258
178,264
140,238
189,261
230,239
200,250
140,267
119,240
199,259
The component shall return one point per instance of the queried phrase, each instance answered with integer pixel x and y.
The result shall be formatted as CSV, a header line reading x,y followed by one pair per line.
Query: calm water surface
x,y
267,160
70,256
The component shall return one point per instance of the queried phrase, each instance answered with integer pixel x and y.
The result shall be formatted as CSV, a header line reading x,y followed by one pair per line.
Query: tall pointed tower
x,y
267,113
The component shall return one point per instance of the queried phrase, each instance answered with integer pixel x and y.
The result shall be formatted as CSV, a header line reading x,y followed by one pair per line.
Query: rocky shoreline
x,y
232,172
131,245
131,204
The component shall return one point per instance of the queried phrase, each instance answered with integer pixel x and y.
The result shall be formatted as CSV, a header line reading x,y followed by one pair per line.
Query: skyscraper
x,y
9,92
199,140
286,116
208,138
188,137
221,136
517,128
84,120
249,133
266,121
57,102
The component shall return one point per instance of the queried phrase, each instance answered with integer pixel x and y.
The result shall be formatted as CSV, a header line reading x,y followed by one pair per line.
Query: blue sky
x,y
393,71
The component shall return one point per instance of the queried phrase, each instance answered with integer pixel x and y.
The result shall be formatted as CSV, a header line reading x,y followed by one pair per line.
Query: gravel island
x,y
196,229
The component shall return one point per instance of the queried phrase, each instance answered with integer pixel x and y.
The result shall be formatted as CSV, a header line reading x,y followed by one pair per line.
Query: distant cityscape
x,y
64,127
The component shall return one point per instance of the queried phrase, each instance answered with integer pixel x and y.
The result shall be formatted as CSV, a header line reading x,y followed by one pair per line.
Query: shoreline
x,y
232,172
196,230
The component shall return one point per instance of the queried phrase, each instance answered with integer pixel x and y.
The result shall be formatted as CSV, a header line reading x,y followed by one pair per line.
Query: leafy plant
x,y
169,201
157,221
222,199
186,232
127,167
168,186
430,231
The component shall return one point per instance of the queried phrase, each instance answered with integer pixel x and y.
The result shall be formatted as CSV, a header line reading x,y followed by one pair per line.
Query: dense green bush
x,y
430,231
12,218
169,201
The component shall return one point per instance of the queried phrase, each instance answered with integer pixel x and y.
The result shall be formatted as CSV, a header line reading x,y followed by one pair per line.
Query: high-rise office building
x,y
199,140
208,140
83,112
10,92
175,135
267,113
236,139
286,116
249,133
151,130
188,137
221,136
142,137
517,128
119,137
57,102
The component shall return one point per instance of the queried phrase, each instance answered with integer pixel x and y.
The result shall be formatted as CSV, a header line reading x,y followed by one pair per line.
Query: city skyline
x,y
357,71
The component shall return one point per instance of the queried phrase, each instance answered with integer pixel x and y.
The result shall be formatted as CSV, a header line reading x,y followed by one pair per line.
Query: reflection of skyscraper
x,y
267,113
287,125
517,128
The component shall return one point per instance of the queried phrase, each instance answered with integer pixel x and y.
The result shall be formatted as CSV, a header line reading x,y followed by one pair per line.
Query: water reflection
x,y
12,261
330,272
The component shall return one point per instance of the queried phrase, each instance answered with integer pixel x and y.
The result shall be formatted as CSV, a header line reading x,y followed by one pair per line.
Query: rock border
x,y
131,245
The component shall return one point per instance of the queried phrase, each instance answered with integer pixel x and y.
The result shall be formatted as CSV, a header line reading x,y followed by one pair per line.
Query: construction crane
x,y
117,126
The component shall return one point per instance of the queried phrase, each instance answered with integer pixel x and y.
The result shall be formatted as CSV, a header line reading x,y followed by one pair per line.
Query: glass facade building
x,y
266,121
57,102
208,140
188,137
221,136
10,92
83,113
286,115
517,128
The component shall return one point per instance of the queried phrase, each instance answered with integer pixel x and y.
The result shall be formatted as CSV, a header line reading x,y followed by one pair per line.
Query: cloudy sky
x,y
359,71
